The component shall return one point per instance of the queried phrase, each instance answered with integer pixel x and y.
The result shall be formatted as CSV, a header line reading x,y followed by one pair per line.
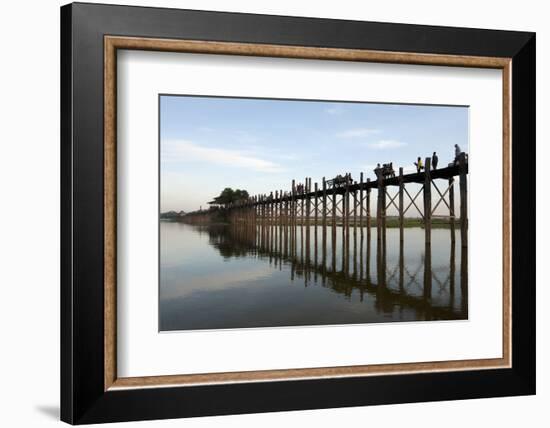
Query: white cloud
x,y
334,110
387,144
184,150
357,133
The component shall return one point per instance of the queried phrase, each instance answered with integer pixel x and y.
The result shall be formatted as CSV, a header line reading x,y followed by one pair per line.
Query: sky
x,y
260,145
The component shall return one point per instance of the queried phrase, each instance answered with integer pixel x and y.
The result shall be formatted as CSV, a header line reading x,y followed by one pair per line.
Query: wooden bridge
x,y
349,205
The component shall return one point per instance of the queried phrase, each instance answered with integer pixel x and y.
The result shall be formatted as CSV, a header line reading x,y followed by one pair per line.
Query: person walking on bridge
x,y
377,170
457,153
419,165
435,160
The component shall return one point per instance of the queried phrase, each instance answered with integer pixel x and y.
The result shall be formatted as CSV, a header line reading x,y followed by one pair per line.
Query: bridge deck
x,y
417,177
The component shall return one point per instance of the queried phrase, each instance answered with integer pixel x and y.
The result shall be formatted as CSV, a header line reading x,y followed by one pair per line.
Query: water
x,y
215,277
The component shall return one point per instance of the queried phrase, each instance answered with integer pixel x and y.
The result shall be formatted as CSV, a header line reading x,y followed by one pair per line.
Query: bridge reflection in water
x,y
353,265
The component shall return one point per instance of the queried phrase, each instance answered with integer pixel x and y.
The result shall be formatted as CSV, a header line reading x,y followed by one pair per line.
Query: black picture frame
x,y
83,399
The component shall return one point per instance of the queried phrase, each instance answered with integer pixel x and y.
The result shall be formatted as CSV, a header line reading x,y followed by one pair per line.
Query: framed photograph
x,y
265,213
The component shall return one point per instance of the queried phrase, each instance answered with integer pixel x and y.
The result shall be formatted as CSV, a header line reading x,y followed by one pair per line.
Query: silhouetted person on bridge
x,y
435,159
419,165
377,170
457,153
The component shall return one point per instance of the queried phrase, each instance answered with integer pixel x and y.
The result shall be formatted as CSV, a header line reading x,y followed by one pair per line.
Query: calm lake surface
x,y
214,277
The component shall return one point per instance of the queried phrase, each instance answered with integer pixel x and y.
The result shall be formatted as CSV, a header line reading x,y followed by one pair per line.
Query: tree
x,y
228,196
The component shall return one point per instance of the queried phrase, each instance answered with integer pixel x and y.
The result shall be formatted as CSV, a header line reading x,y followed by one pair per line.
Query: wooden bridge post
x,y
427,202
256,208
308,200
285,243
276,208
463,200
316,204
276,220
361,202
262,220
281,207
272,228
266,219
379,207
324,220
368,210
324,203
303,201
346,213
452,208
292,212
401,214
253,209
333,209
355,213
307,203
250,209
266,222
315,215
384,220
280,221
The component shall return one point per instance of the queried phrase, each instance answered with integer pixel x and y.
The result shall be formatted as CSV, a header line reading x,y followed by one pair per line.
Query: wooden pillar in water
x,y
361,211
324,220
316,204
308,201
255,210
379,207
258,219
281,207
276,221
324,203
427,203
262,201
251,212
303,204
281,217
285,239
333,210
368,209
463,200
315,215
346,213
266,221
463,185
292,216
401,213
355,213
271,221
308,214
384,209
452,208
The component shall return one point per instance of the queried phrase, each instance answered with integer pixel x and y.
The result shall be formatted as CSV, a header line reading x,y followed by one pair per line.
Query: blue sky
x,y
208,144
